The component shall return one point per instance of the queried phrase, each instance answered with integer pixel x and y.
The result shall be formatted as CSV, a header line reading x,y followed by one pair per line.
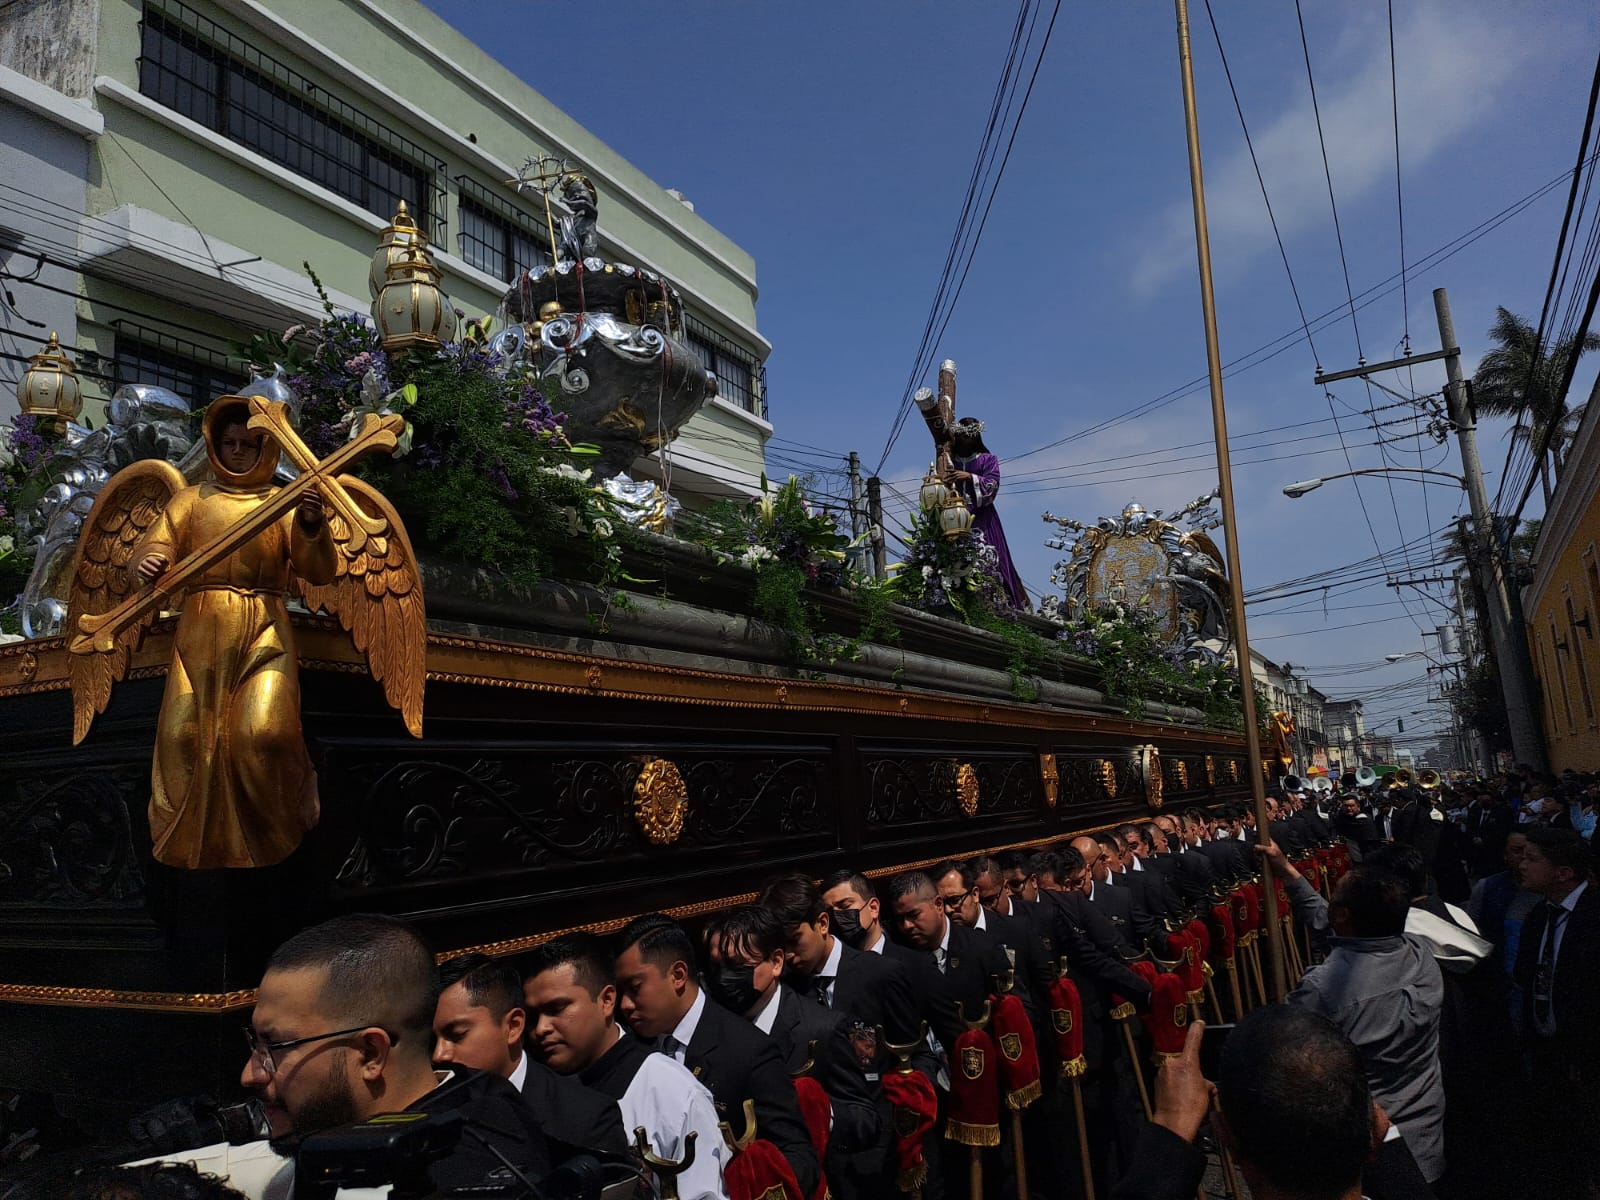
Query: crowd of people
x,y
838,1037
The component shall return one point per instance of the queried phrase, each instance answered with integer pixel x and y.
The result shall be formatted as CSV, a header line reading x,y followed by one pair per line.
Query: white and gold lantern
x,y
955,518
49,388
399,235
933,493
412,310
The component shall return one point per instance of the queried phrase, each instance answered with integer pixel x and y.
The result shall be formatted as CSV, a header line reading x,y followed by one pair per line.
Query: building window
x,y
197,68
1561,672
497,237
197,374
741,379
1581,661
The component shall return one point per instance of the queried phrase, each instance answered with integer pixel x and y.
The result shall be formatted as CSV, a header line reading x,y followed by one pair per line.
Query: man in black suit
x,y
955,966
746,949
1489,823
1126,869
658,987
1357,829
479,1021
1558,970
872,988
1194,874
957,885
1131,922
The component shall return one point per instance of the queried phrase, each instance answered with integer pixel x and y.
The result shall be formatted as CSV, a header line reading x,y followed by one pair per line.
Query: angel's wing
x,y
103,575
377,596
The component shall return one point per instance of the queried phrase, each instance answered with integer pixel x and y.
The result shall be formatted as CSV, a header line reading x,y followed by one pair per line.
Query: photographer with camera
x,y
343,1032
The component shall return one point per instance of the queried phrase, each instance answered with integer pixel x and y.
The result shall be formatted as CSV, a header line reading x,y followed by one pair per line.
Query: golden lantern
x,y
49,388
399,235
955,518
412,310
934,491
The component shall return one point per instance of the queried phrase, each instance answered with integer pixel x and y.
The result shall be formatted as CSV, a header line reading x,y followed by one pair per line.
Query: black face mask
x,y
846,923
734,987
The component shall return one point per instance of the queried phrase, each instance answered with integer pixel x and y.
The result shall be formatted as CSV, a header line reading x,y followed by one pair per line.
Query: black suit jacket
x,y
575,1119
815,1040
974,961
1193,874
1575,993
1092,948
1152,889
738,1062
875,989
1229,859
1131,926
1032,976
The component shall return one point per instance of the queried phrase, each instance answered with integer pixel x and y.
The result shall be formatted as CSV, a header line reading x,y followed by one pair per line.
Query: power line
x,y
1262,183
928,347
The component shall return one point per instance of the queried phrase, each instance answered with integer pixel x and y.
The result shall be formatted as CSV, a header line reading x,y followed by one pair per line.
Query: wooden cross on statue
x,y
939,411
98,632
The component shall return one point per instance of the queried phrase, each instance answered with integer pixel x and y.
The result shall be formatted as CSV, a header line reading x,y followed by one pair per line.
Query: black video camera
x,y
397,1150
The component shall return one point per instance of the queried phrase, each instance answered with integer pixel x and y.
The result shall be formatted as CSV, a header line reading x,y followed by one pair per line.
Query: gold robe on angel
x,y
232,784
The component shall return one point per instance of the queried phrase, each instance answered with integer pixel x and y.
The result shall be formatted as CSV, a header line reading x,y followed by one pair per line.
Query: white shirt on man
x,y
684,1033
670,1103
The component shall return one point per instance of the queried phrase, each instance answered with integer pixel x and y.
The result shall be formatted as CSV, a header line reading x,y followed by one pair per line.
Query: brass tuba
x,y
1399,779
1428,780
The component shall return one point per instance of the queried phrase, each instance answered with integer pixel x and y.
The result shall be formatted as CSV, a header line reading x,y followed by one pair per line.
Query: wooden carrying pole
x,y
1230,529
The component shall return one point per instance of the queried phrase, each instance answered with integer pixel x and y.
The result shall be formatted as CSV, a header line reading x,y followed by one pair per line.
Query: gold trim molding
x,y
40,665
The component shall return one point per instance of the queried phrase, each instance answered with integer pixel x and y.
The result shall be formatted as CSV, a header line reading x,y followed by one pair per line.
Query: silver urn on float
x,y
612,335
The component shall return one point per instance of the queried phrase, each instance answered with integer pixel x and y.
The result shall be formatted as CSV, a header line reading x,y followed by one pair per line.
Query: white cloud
x,y
1452,66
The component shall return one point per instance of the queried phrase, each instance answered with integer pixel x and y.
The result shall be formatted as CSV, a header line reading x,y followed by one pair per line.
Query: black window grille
x,y
496,236
197,68
741,378
194,372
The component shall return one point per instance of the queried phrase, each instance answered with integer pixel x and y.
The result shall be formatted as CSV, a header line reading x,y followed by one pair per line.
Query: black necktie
x,y
824,982
1545,974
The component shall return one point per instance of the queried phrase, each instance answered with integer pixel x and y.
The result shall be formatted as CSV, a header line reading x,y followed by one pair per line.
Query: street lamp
x,y
1295,490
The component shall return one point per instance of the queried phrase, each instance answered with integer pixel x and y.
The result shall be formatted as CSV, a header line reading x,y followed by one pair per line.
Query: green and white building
x,y
168,166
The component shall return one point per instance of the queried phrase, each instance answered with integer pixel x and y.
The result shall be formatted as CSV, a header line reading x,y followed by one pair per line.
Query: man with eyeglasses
x,y
343,1032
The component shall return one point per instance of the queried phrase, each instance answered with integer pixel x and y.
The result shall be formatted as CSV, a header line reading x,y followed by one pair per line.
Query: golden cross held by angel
x,y
232,784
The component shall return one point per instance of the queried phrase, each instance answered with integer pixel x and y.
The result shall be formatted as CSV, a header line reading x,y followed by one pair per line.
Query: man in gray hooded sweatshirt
x,y
1383,988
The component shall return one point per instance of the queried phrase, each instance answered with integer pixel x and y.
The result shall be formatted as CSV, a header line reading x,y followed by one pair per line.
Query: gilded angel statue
x,y
232,784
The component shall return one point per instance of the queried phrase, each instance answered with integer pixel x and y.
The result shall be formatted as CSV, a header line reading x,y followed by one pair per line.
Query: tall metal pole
x,y
1510,641
1230,527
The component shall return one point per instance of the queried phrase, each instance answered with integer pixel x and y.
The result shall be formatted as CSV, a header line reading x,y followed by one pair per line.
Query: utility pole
x,y
1506,634
859,554
880,558
857,493
1509,638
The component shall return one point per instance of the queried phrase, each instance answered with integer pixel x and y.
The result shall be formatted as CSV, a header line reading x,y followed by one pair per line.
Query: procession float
x,y
393,629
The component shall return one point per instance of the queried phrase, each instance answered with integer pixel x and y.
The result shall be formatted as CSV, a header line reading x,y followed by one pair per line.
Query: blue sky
x,y
833,141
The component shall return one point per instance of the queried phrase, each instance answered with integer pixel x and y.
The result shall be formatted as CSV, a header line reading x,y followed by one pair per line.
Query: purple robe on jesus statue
x,y
979,492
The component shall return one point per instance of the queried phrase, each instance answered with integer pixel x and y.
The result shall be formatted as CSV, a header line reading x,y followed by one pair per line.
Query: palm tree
x,y
1516,380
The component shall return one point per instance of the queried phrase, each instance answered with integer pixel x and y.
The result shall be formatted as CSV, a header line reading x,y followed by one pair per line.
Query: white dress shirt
x,y
670,1103
830,969
877,946
685,1029
767,1015
519,1073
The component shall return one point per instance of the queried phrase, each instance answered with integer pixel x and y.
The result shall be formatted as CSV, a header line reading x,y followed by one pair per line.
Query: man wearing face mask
x,y
746,949
874,989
